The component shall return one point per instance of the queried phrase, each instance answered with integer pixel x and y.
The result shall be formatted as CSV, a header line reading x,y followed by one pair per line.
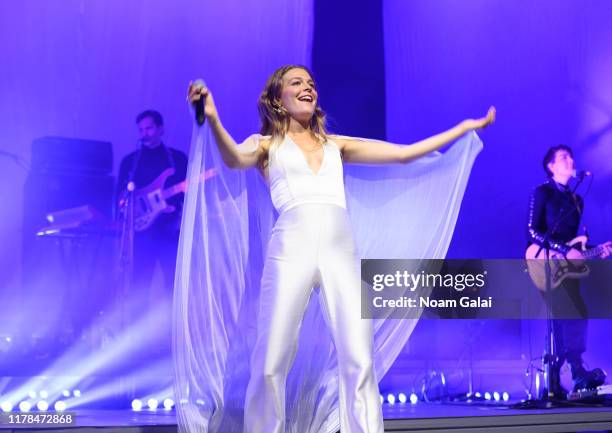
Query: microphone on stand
x,y
199,104
581,174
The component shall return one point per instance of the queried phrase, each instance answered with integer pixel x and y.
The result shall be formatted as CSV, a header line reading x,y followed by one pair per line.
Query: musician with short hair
x,y
554,218
153,168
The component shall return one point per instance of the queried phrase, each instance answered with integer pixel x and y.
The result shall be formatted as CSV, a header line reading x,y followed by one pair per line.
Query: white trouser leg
x,y
360,408
286,287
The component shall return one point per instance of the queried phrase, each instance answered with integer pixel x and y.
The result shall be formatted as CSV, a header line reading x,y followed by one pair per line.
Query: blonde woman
x,y
311,244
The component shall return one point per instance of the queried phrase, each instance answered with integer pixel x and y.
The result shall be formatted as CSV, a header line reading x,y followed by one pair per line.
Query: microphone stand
x,y
126,243
550,358
126,270
126,259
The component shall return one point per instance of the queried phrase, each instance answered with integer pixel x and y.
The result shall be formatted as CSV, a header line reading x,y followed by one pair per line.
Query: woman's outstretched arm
x,y
372,152
231,154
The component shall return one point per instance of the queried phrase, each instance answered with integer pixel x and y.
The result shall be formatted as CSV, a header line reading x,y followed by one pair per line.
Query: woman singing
x,y
311,245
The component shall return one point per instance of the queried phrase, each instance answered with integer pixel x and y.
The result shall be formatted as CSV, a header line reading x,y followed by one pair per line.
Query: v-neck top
x,y
293,182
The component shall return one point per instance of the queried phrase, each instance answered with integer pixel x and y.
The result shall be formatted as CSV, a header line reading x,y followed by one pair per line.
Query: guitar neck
x,y
593,252
182,186
175,189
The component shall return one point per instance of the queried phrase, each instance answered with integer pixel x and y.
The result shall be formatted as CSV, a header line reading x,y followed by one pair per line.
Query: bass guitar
x,y
150,201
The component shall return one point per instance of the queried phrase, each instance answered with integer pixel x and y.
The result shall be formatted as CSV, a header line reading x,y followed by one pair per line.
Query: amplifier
x,y
61,154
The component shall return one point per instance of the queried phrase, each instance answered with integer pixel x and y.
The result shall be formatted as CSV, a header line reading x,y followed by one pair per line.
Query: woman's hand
x,y
197,91
471,124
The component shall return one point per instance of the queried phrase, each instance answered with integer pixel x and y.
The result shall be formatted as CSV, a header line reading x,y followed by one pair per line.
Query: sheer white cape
x,y
396,211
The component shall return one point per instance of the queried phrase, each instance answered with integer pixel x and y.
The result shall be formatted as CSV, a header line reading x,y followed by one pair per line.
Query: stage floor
x,y
422,417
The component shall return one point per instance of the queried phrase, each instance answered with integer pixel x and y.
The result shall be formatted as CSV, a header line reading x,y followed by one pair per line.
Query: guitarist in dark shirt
x,y
158,243
556,211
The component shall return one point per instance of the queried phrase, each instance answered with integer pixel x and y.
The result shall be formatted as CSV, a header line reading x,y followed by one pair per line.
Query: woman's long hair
x,y
274,117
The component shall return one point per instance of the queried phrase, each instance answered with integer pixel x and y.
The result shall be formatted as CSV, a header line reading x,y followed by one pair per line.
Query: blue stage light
x,y
478,395
136,404
402,397
414,398
487,396
43,394
42,406
496,396
66,393
152,403
59,406
505,396
25,406
168,403
76,393
32,394
390,399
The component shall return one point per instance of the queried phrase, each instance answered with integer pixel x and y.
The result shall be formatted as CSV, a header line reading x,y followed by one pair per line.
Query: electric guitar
x,y
560,266
150,201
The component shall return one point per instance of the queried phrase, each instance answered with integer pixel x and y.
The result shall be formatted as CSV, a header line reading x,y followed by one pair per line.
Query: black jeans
x,y
569,314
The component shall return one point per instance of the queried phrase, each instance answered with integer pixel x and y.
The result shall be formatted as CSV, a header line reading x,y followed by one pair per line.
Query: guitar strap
x,y
564,189
137,160
170,158
577,204
134,166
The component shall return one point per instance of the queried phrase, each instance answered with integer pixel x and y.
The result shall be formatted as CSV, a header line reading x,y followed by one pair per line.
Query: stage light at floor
x,y
25,406
76,393
200,402
496,396
59,406
390,399
168,403
414,398
66,393
43,394
478,395
505,396
152,403
402,397
6,406
487,396
42,406
136,404
32,394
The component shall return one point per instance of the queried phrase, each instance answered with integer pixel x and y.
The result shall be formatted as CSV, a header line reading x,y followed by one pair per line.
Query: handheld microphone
x,y
199,104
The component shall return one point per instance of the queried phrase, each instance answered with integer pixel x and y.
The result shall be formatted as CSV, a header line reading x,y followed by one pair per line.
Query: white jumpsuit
x,y
311,245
